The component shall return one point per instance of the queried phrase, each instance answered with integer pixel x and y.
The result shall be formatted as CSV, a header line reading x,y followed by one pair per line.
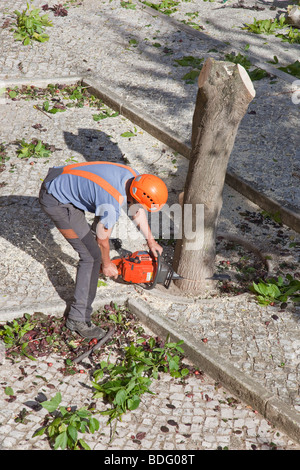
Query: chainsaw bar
x,y
98,345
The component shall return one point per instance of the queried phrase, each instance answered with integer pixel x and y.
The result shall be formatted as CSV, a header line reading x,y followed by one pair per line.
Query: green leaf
x,y
8,391
258,74
191,76
27,41
61,441
56,110
38,146
128,5
82,413
104,115
190,61
12,94
52,404
173,364
120,397
72,432
84,445
128,134
94,425
292,69
40,432
46,105
133,403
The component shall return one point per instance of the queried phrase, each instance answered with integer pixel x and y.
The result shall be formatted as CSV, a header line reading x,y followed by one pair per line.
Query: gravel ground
x,y
102,40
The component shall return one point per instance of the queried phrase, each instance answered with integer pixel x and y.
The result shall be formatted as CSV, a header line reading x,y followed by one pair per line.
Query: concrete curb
x,y
40,82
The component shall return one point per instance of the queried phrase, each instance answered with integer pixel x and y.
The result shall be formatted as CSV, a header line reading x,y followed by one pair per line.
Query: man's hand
x,y
154,247
110,270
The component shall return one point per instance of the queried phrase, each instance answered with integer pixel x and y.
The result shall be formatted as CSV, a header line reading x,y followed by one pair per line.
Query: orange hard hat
x,y
150,191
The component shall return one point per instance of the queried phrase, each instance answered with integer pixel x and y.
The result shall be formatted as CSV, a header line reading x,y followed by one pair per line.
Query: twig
x,y
39,109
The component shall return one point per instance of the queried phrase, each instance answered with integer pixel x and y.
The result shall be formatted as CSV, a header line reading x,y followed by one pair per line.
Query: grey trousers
x,y
71,222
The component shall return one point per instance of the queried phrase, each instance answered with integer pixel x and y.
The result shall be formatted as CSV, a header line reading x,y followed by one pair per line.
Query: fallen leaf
x,y
171,422
168,405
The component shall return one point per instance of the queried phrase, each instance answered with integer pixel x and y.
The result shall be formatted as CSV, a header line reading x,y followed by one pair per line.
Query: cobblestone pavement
x,y
196,415
260,344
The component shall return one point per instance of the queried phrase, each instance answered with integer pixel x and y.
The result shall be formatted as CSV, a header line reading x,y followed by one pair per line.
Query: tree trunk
x,y
225,91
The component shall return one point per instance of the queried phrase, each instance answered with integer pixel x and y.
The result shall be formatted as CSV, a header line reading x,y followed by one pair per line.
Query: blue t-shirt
x,y
100,188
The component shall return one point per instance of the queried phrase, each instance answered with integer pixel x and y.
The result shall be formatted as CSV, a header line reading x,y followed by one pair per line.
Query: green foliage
x,y
64,425
291,34
56,108
190,22
130,379
190,61
9,391
275,216
130,133
104,113
238,59
255,74
166,6
36,149
12,334
128,5
31,26
276,290
3,155
292,69
196,64
34,336
266,26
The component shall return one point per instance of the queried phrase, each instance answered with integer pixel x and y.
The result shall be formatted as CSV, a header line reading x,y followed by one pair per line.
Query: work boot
x,y
85,329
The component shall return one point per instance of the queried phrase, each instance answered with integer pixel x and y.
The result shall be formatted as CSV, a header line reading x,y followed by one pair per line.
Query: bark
x,y
225,91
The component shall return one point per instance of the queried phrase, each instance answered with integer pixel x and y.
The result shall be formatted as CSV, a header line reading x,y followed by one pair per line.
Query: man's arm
x,y
140,219
102,236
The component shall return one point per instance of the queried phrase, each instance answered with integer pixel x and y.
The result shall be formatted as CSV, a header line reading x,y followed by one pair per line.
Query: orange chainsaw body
x,y
137,268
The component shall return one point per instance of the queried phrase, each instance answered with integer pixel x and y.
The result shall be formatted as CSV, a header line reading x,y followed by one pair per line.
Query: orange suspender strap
x,y
72,170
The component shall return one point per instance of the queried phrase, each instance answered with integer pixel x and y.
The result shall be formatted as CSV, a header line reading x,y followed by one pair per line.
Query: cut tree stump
x,y
225,91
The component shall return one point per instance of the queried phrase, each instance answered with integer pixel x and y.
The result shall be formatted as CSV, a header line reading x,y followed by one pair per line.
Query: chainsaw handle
x,y
151,286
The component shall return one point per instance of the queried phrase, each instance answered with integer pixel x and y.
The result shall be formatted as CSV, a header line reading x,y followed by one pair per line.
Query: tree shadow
x,y
93,145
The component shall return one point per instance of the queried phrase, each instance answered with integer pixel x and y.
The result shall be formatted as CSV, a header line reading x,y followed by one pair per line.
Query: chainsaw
x,y
145,269
141,267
